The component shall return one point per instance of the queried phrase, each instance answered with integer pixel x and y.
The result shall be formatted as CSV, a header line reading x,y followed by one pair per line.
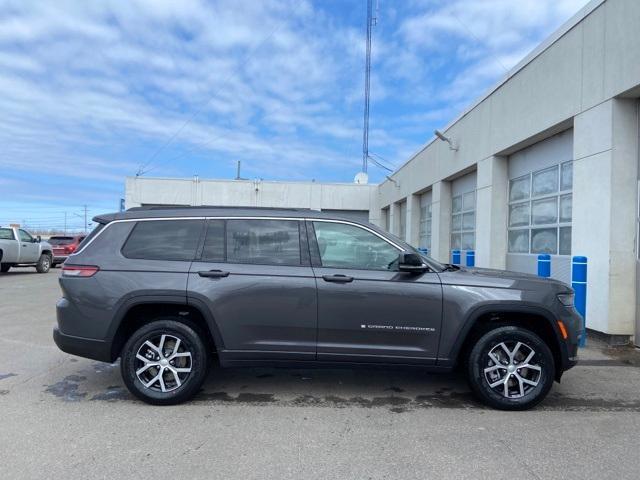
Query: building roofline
x,y
535,53
246,180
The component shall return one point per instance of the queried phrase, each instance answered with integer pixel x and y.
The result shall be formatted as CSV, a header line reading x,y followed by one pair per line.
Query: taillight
x,y
79,270
69,248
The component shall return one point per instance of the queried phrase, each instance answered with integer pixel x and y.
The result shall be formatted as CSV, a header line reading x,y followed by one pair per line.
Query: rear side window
x,y
6,234
164,240
266,242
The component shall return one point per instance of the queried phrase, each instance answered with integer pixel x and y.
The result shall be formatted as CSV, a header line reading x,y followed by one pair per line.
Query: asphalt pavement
x,y
68,417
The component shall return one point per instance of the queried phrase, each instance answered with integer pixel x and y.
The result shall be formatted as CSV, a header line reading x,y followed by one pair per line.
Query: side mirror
x,y
411,262
38,239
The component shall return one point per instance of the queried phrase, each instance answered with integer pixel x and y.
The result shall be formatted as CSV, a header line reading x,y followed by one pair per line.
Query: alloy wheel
x,y
510,370
163,363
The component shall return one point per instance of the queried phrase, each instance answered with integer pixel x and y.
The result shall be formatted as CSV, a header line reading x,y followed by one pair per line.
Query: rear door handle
x,y
213,273
337,278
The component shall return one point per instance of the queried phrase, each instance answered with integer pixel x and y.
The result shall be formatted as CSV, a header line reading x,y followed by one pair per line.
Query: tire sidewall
x,y
40,267
477,364
190,336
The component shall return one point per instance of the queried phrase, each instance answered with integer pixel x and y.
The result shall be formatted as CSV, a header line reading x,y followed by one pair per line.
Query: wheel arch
x,y
140,311
537,319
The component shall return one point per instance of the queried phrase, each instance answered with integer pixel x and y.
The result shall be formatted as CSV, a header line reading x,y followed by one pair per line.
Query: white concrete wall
x,y
605,195
319,196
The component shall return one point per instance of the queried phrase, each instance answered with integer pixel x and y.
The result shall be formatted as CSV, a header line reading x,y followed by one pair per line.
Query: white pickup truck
x,y
19,248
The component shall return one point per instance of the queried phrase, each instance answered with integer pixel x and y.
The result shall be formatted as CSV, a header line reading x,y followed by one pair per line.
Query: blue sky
x,y
92,91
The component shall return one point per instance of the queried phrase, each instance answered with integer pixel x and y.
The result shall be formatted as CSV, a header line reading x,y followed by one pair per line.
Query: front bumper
x,y
82,347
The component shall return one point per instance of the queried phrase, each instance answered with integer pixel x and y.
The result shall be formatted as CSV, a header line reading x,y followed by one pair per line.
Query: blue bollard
x,y
455,257
471,258
579,284
544,265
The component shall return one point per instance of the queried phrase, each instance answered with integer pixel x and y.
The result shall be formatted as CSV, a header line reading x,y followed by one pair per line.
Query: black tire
x,y
4,268
191,341
519,395
44,263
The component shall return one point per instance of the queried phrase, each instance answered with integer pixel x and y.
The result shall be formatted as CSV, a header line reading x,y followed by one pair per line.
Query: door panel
x,y
367,310
261,311
378,316
255,277
29,250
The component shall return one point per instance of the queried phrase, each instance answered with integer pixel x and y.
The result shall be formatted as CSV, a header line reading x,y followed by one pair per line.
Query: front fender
x,y
449,352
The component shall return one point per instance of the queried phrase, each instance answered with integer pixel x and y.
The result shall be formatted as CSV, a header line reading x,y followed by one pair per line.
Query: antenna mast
x,y
367,74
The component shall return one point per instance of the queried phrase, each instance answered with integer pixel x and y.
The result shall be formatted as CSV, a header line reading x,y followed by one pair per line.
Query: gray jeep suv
x,y
167,289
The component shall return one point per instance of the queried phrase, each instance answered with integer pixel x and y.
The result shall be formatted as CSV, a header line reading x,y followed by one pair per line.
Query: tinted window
x,y
347,246
270,242
60,240
6,234
163,240
93,233
214,242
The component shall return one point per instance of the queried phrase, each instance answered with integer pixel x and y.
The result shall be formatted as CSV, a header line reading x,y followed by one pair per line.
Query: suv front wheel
x,y
511,368
164,362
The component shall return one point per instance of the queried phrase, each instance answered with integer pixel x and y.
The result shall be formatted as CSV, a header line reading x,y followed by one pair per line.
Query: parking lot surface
x,y
68,417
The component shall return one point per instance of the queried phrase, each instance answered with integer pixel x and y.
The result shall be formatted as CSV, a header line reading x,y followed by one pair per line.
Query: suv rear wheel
x,y
511,368
164,362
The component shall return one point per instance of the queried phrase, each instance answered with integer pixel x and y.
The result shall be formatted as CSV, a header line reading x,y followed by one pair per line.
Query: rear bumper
x,y
59,258
82,347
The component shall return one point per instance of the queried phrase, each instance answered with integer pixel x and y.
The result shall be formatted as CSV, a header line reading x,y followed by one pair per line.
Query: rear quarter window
x,y
164,240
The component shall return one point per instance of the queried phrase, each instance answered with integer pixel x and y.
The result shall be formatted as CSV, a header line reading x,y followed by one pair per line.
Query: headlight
x,y
566,299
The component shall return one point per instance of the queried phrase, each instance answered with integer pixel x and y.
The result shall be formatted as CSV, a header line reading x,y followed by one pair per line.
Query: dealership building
x,y
545,162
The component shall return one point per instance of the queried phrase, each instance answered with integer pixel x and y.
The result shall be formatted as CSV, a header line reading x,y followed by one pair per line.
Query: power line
x,y
479,41
143,168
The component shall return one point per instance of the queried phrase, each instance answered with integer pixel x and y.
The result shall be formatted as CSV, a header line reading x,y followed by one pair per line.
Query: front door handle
x,y
213,273
337,278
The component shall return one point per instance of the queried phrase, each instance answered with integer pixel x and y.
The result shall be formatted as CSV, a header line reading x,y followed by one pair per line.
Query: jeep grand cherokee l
x,y
165,290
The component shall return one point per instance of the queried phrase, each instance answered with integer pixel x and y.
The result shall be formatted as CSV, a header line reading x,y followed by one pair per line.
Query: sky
x,y
94,91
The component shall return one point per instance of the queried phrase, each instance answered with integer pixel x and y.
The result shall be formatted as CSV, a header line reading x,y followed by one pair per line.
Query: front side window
x,y
25,236
540,211
348,246
266,242
164,240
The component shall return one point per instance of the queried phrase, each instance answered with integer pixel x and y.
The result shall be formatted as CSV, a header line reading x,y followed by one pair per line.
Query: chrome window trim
x,y
232,217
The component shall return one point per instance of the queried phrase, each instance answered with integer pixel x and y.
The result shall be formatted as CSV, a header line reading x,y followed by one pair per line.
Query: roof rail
x,y
196,207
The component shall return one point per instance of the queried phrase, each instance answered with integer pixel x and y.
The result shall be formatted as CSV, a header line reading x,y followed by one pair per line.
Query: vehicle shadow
x,y
338,387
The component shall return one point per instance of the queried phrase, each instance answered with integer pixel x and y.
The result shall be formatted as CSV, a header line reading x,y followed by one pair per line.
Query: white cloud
x,y
96,87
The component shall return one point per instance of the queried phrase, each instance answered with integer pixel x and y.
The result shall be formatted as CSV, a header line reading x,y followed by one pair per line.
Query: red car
x,y
64,246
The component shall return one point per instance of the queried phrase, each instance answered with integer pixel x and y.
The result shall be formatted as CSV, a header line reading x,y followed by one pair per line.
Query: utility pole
x,y
367,82
85,219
